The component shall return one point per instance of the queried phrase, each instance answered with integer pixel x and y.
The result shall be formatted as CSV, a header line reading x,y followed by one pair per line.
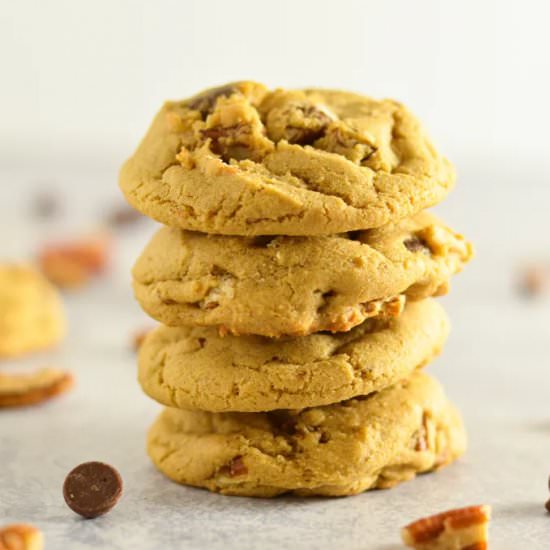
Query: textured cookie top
x,y
195,368
295,285
339,449
242,160
31,315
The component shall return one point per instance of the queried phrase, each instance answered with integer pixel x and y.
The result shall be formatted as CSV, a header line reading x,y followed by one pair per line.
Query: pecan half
x,y
72,264
19,390
21,537
461,529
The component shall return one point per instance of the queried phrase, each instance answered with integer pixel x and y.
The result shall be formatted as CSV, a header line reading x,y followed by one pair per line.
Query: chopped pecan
x,y
416,244
534,280
21,537
422,441
298,122
139,337
235,467
19,390
342,139
205,101
462,529
72,264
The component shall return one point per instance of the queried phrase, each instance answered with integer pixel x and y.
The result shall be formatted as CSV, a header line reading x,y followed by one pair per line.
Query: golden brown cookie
x,y
242,160
274,286
31,315
342,449
195,368
23,389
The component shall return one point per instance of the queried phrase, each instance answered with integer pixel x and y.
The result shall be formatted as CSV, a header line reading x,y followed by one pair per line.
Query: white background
x,y
79,83
86,77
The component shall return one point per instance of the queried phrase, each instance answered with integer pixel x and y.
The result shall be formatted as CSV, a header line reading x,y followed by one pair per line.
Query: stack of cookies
x,y
293,281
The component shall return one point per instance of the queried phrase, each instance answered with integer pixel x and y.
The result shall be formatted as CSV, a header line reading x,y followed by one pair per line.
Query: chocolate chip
x,y
92,489
416,244
124,215
547,505
45,205
205,102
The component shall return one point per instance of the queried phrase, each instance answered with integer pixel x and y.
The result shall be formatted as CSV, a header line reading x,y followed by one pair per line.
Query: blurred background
x,y
81,80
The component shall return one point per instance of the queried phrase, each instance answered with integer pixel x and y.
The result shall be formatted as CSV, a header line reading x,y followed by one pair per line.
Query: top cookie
x,y
242,160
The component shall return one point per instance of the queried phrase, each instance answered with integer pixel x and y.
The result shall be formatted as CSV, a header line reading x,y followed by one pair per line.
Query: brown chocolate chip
x,y
124,215
45,205
205,102
92,489
547,505
416,244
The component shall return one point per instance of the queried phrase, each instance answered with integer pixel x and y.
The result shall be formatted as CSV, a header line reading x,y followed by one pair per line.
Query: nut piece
x,y
139,337
19,390
92,489
534,280
21,537
460,529
71,265
235,467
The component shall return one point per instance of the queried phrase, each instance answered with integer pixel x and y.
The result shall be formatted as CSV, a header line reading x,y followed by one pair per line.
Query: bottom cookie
x,y
364,443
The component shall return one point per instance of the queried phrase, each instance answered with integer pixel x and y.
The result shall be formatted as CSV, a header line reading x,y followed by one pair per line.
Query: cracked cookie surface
x,y
275,286
336,450
243,160
195,368
31,314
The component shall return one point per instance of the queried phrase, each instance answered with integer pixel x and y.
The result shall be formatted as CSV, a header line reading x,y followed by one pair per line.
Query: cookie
x,y
31,315
24,389
342,449
276,286
242,160
195,368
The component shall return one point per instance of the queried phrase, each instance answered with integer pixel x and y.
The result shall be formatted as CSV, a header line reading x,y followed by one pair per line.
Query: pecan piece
x,y
235,467
534,280
298,122
462,529
72,264
21,537
205,101
346,141
416,244
19,390
139,337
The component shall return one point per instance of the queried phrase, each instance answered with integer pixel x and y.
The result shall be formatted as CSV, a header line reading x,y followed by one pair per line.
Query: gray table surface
x,y
495,367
